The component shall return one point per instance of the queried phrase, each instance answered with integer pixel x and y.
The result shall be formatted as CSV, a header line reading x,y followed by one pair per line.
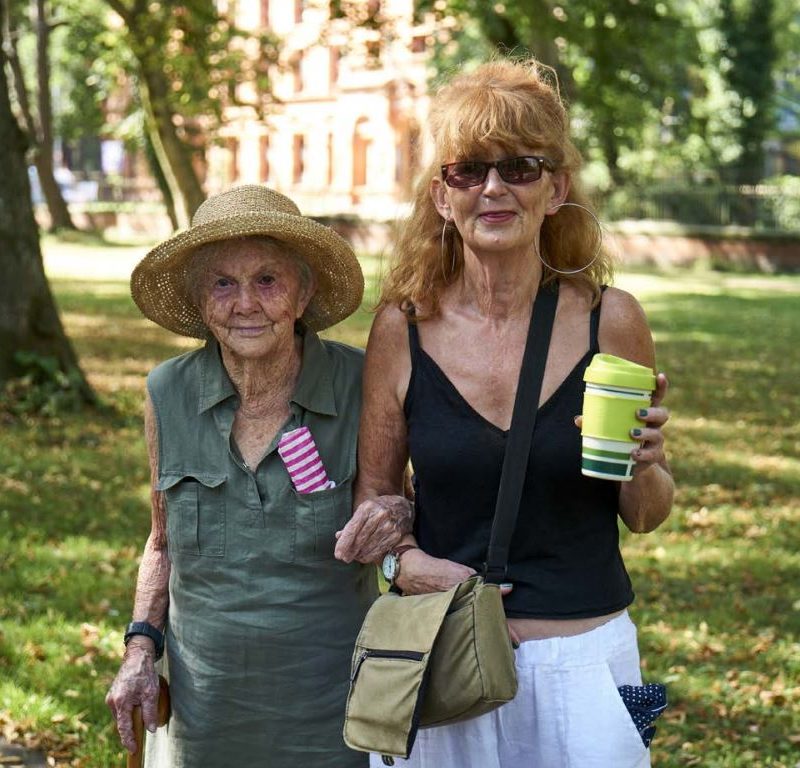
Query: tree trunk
x,y
174,156
39,130
59,213
29,319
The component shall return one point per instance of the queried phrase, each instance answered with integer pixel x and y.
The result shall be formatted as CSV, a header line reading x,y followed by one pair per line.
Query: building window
x,y
297,74
263,172
297,170
360,147
373,53
335,55
233,160
419,44
330,159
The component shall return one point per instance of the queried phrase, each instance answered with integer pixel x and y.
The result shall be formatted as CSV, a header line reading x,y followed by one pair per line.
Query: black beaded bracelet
x,y
148,630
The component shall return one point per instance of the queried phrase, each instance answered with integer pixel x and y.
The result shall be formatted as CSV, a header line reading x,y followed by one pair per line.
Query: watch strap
x,y
147,630
397,551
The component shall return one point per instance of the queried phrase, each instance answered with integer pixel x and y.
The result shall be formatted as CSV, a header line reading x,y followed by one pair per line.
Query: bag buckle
x,y
494,574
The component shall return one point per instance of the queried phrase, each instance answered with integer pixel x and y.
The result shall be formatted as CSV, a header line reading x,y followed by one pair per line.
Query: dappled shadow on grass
x,y
719,627
726,355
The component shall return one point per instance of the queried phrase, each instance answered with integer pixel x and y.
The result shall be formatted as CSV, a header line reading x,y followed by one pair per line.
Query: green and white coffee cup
x,y
615,390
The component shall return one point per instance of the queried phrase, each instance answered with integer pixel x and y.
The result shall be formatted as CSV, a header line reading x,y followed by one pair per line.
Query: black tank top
x,y
564,559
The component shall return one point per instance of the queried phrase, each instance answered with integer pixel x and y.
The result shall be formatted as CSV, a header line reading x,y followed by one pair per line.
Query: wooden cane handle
x,y
164,707
135,759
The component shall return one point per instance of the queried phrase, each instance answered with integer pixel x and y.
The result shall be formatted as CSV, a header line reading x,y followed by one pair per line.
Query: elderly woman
x,y
252,445
499,219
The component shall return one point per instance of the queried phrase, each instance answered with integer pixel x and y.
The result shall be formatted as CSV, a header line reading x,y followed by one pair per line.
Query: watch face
x,y
389,566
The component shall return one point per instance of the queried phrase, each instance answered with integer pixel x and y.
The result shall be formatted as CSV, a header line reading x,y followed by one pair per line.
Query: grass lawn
x,y
718,585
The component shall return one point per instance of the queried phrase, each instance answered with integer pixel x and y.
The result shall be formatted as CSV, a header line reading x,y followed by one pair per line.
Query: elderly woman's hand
x,y
375,528
650,436
136,684
421,573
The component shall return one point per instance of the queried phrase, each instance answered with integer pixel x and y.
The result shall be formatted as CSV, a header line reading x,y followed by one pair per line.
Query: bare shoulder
x,y
624,330
388,361
390,327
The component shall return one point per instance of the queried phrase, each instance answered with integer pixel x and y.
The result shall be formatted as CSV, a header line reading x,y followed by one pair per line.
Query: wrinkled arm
x,y
136,682
645,501
383,513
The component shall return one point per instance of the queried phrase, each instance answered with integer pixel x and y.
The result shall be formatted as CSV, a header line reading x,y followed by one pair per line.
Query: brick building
x,y
346,134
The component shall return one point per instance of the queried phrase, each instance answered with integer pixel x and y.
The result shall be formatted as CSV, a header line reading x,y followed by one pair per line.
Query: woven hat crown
x,y
158,283
249,198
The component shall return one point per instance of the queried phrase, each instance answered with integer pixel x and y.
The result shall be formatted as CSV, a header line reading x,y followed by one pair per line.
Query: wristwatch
x,y
148,630
391,563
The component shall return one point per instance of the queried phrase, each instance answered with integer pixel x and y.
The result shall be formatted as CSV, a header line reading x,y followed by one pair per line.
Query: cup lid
x,y
619,372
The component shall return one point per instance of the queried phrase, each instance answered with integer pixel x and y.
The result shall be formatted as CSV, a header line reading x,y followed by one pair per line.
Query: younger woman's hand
x,y
649,435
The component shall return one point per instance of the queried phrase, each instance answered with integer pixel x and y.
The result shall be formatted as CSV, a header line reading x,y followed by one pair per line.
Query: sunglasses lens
x,y
519,170
468,174
515,170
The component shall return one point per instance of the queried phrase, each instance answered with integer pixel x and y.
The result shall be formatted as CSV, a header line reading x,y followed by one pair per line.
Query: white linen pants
x,y
567,712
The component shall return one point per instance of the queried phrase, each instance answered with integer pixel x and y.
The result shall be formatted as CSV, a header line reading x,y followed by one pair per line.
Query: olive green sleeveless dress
x,y
262,618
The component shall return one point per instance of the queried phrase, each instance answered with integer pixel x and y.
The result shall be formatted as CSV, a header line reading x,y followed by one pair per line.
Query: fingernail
x,y
636,432
642,412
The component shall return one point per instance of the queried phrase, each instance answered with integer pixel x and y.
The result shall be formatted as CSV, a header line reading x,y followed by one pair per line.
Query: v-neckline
x,y
448,382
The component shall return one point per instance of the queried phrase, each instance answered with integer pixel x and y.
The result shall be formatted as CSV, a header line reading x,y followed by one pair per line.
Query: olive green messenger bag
x,y
438,658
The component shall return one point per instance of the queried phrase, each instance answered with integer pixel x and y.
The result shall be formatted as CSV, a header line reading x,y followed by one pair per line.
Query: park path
x,y
11,754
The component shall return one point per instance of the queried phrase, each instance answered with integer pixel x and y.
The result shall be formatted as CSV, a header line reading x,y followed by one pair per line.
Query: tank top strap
x,y
413,336
594,322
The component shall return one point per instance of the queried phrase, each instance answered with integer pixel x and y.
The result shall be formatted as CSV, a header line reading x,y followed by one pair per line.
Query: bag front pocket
x,y
383,701
195,514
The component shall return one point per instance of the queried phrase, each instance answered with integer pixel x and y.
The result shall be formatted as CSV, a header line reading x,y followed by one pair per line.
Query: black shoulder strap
x,y
518,444
594,321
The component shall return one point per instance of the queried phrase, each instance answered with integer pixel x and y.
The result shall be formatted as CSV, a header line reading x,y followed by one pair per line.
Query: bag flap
x,y
412,621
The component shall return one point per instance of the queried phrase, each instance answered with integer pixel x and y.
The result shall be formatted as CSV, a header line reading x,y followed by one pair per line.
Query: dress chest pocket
x,y
195,513
318,516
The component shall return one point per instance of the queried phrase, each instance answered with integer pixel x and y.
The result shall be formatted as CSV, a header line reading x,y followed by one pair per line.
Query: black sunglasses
x,y
513,170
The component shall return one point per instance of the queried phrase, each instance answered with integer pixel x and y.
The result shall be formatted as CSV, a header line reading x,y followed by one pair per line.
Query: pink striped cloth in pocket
x,y
301,458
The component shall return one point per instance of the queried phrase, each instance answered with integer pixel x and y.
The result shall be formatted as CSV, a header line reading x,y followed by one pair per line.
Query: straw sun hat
x,y
158,283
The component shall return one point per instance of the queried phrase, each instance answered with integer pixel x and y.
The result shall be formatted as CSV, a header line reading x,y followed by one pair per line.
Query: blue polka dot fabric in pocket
x,y
645,703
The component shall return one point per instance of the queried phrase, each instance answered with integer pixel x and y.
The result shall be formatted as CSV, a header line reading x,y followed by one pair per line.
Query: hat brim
x,y
158,282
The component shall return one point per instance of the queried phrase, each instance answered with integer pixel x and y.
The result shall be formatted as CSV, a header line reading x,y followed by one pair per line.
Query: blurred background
x,y
687,111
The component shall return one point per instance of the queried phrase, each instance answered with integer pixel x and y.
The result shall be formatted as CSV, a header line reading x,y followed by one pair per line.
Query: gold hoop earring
x,y
452,255
597,250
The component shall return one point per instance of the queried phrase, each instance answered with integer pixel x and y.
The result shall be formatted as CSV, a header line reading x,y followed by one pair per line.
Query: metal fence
x,y
761,207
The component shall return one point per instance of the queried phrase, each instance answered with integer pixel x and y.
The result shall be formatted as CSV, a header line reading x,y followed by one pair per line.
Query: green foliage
x,y
748,62
203,56
656,89
623,66
87,63
42,387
